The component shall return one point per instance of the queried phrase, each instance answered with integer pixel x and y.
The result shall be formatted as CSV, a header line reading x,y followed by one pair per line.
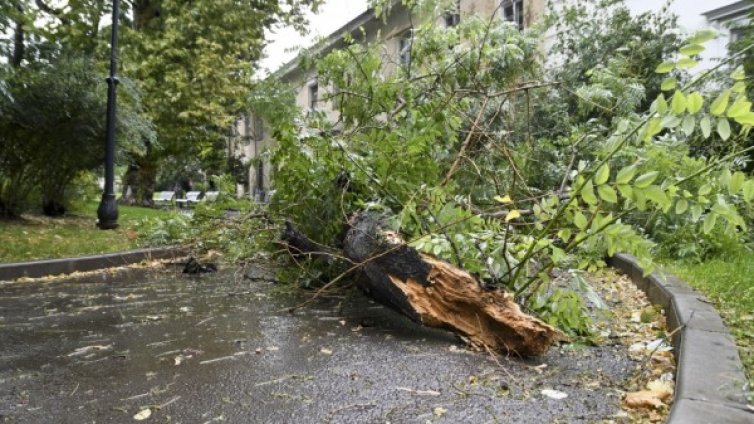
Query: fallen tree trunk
x,y
435,293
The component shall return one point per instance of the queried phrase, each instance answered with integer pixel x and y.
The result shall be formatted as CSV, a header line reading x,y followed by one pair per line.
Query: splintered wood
x,y
438,294
454,300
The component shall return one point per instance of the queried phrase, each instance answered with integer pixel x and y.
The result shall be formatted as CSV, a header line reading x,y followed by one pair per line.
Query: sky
x,y
285,42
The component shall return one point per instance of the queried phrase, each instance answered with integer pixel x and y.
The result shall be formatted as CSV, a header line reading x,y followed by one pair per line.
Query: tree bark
x,y
435,293
19,47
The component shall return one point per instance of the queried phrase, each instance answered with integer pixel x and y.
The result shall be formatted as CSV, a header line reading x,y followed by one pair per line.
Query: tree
x,y
53,102
194,62
441,148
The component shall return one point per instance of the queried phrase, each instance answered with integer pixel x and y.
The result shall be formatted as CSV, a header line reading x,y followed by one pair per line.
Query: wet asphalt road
x,y
222,348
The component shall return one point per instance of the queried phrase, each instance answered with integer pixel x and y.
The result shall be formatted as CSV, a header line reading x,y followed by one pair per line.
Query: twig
x,y
168,402
465,145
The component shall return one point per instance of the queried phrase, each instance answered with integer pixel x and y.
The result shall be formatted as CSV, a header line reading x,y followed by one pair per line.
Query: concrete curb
x,y
710,378
36,269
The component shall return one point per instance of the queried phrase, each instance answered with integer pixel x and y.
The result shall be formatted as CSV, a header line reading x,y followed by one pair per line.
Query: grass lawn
x,y
729,282
39,237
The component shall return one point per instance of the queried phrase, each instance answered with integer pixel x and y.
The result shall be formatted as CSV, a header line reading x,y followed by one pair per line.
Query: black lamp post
x,y
108,208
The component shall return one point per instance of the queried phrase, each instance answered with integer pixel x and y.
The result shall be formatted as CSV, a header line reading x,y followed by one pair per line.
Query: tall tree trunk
x,y
18,40
144,12
146,178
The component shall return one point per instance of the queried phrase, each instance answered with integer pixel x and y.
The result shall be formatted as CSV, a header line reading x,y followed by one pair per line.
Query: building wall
x,y
691,19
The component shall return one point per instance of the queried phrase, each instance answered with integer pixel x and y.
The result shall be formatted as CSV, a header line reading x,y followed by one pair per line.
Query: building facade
x,y
392,34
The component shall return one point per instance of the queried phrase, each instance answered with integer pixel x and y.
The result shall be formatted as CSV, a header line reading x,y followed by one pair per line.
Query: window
x,y
736,33
260,178
513,11
258,128
454,18
313,95
404,48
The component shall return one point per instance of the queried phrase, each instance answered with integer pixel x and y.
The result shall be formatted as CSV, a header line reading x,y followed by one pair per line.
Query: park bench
x,y
192,198
164,198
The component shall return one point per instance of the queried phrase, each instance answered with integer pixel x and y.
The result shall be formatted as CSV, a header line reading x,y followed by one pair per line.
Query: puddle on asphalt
x,y
221,347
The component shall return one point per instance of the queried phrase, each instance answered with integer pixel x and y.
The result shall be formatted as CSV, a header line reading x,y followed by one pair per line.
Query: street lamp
x,y
107,213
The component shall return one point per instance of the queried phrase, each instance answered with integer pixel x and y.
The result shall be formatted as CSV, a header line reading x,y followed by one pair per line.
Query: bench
x,y
192,198
163,198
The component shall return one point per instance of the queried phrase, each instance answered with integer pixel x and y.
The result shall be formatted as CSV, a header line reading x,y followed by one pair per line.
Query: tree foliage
x,y
445,147
194,62
459,150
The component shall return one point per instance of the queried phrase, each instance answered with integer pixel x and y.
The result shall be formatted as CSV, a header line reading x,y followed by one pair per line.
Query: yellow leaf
x,y
663,389
512,215
505,199
143,414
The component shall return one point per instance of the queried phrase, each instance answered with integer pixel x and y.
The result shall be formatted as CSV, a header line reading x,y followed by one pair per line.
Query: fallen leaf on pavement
x,y
663,389
143,414
645,399
554,394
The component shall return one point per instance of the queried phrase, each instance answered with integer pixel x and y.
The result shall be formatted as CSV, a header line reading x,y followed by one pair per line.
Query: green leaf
x,y
602,175
654,126
739,107
665,67
645,180
723,128
720,104
688,125
748,190
587,193
681,206
702,36
705,190
656,194
706,126
686,63
626,174
746,119
579,220
607,194
670,121
662,104
709,222
696,212
678,102
736,182
625,190
692,49
640,199
739,87
695,101
558,255
668,84
564,234
738,74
